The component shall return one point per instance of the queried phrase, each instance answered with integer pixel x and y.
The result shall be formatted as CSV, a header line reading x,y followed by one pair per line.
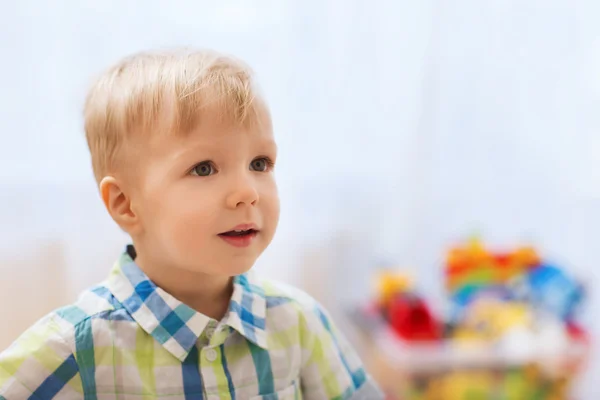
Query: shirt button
x,y
211,355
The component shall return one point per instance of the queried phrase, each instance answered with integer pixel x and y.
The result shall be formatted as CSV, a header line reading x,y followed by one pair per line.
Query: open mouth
x,y
239,237
239,233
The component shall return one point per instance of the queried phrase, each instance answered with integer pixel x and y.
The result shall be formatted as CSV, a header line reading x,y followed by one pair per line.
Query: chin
x,y
238,269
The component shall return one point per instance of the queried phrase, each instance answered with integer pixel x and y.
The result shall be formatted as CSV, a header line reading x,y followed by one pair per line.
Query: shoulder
x,y
59,328
286,301
280,294
43,349
96,302
45,358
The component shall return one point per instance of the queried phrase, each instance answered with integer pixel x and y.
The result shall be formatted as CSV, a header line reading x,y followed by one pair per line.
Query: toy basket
x,y
448,370
511,332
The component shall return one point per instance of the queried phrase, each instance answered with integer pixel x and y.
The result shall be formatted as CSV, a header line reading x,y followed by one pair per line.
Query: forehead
x,y
213,130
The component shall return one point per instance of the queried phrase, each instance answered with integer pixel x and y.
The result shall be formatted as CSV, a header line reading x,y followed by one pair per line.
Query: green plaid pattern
x,y
127,339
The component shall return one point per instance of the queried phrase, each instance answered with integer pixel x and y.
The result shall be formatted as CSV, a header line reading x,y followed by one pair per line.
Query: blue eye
x,y
203,169
262,164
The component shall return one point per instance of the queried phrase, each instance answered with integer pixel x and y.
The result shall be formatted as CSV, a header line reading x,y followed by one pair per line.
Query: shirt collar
x,y
173,324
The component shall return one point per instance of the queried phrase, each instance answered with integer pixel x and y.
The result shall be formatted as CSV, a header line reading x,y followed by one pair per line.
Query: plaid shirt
x,y
128,339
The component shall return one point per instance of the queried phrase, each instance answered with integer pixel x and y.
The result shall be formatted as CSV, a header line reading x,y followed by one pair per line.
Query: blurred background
x,y
403,127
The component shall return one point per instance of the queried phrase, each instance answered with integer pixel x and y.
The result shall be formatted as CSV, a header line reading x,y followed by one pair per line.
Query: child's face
x,y
193,191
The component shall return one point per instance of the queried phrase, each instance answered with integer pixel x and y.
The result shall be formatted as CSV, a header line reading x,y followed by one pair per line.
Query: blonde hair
x,y
146,90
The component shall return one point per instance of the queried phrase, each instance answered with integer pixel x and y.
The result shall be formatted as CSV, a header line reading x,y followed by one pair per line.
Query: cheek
x,y
182,215
270,200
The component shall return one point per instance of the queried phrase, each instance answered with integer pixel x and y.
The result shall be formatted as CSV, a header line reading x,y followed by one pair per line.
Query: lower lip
x,y
239,241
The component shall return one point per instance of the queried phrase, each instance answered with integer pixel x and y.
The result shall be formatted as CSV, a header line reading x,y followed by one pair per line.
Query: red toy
x,y
412,320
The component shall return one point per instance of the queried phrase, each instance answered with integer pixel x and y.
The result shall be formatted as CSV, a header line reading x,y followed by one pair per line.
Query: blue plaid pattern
x,y
175,325
128,339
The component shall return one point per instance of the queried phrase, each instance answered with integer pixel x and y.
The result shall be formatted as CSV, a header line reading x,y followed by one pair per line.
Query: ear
x,y
118,204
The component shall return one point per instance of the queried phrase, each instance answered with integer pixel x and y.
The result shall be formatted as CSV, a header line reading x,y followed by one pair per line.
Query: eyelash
x,y
212,165
268,161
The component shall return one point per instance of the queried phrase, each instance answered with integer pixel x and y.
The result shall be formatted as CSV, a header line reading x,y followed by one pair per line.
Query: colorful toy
x,y
514,307
407,314
411,319
490,319
474,267
389,284
551,290
462,299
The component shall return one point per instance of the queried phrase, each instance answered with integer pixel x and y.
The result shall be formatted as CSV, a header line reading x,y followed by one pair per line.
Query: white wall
x,y
405,124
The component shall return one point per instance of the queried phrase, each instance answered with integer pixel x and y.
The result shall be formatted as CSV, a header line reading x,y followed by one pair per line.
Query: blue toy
x,y
553,291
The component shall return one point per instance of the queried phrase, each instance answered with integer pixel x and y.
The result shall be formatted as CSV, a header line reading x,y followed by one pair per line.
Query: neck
x,y
207,294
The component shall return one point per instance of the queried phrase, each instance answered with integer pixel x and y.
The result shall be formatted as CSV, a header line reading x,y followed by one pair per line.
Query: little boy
x,y
183,152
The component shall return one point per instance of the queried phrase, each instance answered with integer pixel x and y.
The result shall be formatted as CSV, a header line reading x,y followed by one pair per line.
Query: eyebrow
x,y
271,144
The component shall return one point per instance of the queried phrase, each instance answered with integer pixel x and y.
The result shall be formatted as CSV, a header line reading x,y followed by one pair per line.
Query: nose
x,y
243,193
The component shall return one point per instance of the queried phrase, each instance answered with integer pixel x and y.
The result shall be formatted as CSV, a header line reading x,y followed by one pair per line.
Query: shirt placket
x,y
212,363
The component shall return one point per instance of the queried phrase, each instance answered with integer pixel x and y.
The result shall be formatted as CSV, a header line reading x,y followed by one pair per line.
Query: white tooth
x,y
238,231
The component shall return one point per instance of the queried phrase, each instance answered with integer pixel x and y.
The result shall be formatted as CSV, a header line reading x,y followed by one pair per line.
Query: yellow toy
x,y
389,284
490,319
